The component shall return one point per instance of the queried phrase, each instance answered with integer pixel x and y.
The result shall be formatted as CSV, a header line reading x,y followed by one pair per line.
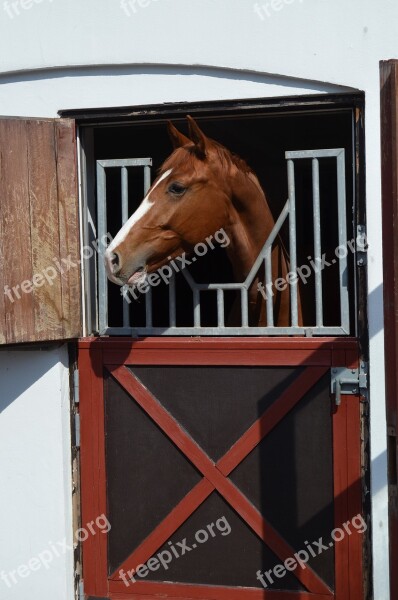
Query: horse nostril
x,y
115,260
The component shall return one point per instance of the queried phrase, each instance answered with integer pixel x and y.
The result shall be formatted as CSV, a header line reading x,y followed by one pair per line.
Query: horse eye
x,y
177,188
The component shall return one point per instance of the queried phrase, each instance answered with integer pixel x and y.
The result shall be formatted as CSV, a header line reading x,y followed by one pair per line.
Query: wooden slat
x,y
250,358
223,351
69,226
44,229
15,214
145,590
223,343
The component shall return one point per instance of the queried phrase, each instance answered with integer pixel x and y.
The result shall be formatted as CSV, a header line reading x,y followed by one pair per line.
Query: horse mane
x,y
230,159
226,157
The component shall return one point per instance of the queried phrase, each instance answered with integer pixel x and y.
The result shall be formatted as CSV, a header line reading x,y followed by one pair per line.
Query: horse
x,y
201,188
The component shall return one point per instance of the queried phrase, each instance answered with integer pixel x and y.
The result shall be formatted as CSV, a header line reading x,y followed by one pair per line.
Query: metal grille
x,y
288,216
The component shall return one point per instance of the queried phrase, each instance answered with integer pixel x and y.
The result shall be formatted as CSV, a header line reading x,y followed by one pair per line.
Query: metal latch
x,y
347,381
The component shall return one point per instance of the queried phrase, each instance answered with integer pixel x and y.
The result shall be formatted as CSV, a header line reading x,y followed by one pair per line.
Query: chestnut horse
x,y
201,188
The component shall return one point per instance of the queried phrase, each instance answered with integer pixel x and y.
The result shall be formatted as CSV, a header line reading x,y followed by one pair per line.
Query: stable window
x,y
303,153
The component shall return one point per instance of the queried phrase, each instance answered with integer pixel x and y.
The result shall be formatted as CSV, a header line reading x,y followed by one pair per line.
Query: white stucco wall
x,y
58,54
35,467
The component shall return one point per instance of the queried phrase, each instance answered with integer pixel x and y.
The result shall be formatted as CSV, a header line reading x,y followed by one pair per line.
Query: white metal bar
x,y
220,308
342,221
268,286
270,240
227,331
125,194
322,153
101,229
126,162
196,308
292,242
148,297
147,178
125,216
317,242
244,307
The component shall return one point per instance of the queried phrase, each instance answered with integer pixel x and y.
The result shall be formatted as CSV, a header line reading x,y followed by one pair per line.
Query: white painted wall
x,y
58,54
35,465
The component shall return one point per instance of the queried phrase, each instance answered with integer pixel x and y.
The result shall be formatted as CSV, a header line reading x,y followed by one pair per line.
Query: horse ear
x,y
178,139
197,136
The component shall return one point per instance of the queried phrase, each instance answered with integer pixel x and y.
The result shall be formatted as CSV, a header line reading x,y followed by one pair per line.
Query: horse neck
x,y
250,224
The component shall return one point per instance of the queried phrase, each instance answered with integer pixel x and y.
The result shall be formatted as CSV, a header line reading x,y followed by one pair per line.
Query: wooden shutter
x,y
389,149
40,281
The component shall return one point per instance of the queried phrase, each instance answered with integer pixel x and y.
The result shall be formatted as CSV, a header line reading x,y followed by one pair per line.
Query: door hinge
x,y
361,246
76,396
348,381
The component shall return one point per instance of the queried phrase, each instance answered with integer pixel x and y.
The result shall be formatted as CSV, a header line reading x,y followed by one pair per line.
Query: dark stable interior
x,y
262,141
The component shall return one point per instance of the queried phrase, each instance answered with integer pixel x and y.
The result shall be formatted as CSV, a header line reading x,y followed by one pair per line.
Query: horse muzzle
x,y
131,275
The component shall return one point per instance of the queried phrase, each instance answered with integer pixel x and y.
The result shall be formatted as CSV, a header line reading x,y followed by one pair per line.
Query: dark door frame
x,y
389,173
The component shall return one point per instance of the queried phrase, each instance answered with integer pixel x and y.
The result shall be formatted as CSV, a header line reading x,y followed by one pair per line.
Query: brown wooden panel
x,y
389,149
40,295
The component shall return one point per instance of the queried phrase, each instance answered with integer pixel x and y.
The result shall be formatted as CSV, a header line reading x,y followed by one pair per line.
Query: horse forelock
x,y
181,157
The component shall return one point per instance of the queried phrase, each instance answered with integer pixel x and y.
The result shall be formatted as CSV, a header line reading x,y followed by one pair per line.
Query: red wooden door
x,y
224,468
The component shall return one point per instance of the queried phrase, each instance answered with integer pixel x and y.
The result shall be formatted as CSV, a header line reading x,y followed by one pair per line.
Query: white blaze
x,y
143,208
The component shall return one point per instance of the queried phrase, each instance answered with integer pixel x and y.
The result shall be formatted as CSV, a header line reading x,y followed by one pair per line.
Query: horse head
x,y
188,201
202,189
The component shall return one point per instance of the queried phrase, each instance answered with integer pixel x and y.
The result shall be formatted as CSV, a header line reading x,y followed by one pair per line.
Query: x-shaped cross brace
x,y
215,475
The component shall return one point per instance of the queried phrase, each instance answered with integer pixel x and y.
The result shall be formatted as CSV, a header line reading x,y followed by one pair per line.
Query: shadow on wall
x,y
203,71
21,369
